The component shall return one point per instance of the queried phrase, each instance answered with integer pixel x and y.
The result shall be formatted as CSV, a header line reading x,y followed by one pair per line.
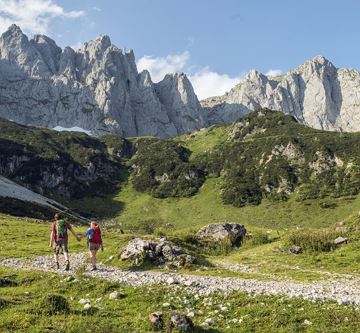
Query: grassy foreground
x,y
21,301
20,309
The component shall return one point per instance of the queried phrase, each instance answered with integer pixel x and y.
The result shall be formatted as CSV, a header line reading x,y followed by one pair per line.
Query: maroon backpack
x,y
96,236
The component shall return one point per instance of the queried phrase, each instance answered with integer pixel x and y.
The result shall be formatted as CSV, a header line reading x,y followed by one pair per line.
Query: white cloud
x,y
274,72
33,16
206,82
159,67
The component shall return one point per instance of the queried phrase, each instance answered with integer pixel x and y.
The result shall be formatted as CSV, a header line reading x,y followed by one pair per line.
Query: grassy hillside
x,y
134,210
264,158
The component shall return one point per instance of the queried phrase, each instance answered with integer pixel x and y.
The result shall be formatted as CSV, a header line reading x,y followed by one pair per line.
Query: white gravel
x,y
343,291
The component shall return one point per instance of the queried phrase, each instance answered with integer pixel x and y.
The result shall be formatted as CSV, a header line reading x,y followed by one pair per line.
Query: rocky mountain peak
x,y
315,93
14,31
102,41
97,88
319,64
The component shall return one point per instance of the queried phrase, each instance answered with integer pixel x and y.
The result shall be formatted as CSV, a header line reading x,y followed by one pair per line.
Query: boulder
x,y
180,322
295,249
156,319
159,251
340,240
216,232
116,295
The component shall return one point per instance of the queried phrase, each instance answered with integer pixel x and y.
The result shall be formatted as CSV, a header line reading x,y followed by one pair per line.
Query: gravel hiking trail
x,y
343,290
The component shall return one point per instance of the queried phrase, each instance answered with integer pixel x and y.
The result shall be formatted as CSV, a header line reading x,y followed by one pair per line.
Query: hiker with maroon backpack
x,y
95,243
59,239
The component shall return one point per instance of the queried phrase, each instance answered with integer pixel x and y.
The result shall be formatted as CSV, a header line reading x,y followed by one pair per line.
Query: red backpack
x,y
96,236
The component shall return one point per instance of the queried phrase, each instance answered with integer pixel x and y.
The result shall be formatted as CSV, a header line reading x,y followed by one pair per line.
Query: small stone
x,y
191,314
70,278
171,280
210,322
340,240
84,301
115,295
156,319
180,322
87,306
188,283
295,249
307,322
166,305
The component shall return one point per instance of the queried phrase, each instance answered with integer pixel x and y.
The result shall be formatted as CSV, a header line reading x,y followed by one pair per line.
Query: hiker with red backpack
x,y
94,237
59,239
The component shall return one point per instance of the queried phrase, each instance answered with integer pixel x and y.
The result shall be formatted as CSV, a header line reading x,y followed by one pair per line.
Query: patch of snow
x,y
13,190
72,129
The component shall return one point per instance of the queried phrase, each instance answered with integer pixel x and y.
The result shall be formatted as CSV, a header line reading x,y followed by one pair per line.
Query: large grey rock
x,y
216,232
157,250
180,322
316,94
97,88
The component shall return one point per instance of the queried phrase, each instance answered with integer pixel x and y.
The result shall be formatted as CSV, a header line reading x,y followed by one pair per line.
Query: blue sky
x,y
215,42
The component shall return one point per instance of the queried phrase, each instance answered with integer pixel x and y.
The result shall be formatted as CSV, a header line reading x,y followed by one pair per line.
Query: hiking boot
x,y
67,267
57,265
94,268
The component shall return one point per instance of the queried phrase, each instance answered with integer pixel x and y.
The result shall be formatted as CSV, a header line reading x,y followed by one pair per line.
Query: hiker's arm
x,y
75,234
51,238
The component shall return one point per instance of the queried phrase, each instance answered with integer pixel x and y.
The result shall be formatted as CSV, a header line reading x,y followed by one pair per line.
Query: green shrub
x,y
258,238
162,168
53,304
313,240
148,227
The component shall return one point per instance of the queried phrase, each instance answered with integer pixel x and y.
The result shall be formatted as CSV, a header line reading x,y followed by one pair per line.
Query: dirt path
x,y
338,290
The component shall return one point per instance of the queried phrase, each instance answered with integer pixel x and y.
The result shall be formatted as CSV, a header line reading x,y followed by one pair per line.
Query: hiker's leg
x,y
93,258
66,255
56,256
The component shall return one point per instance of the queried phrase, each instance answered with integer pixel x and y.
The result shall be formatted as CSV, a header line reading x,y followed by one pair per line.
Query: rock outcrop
x,y
216,232
97,88
159,251
316,93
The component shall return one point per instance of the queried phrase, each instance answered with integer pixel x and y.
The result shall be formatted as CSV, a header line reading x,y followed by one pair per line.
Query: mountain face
x,y
317,94
61,164
96,88
99,89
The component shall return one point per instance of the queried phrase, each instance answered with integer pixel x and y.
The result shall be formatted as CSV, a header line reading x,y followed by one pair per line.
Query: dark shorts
x,y
94,246
61,246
